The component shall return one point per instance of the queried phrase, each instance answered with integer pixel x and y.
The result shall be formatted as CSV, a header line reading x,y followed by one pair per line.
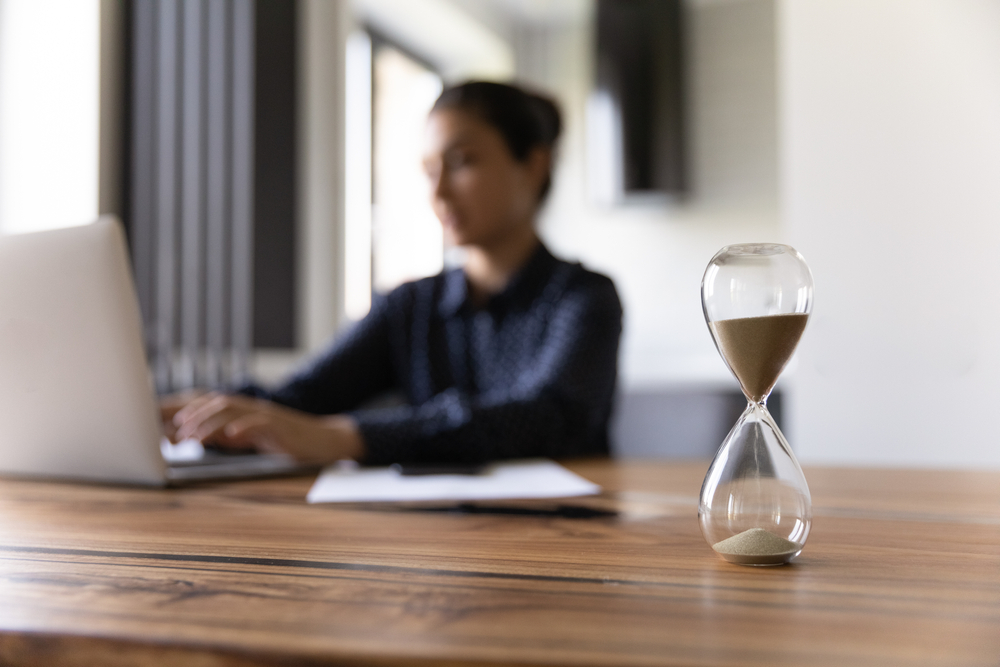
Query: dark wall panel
x,y
274,175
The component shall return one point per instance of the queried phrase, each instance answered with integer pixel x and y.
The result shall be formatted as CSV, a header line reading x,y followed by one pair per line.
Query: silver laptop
x,y
76,399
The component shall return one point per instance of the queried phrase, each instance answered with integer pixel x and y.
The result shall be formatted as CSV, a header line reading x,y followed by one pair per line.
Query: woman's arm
x,y
355,368
240,421
299,417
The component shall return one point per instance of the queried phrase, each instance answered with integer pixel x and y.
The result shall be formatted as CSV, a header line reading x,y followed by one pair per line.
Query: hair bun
x,y
549,118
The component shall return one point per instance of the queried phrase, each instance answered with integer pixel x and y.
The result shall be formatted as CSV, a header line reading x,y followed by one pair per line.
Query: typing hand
x,y
239,421
171,405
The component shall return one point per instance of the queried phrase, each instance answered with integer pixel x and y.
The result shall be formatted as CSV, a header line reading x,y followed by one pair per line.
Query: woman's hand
x,y
171,405
240,421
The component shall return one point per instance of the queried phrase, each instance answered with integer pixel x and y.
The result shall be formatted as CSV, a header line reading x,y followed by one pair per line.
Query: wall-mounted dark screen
x,y
640,66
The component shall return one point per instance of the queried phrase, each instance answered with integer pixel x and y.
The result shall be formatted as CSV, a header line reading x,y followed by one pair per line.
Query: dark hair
x,y
525,120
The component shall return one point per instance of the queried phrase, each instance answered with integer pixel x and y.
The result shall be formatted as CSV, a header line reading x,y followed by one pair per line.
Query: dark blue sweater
x,y
531,373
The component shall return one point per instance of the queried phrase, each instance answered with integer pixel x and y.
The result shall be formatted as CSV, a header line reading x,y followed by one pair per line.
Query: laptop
x,y
76,396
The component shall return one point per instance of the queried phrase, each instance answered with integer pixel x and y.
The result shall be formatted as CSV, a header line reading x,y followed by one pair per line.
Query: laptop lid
x,y
76,399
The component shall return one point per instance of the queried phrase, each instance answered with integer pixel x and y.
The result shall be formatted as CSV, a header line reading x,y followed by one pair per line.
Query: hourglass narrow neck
x,y
756,407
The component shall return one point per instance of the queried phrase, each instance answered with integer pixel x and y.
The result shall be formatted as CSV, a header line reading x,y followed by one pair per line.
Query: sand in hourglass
x,y
757,348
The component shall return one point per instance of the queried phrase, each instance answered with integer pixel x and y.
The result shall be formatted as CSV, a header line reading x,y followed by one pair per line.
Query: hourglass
x,y
755,507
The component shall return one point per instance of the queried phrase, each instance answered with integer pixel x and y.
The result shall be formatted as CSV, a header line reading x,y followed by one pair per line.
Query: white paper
x,y
535,478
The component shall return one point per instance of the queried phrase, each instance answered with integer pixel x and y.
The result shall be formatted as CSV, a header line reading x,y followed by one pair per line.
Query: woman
x,y
513,355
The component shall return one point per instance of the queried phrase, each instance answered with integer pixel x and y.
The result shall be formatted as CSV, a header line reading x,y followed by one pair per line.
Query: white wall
x,y
50,68
323,30
890,181
459,44
657,254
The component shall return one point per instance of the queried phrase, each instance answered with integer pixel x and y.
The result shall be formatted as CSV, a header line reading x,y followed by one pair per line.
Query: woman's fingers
x,y
208,417
279,430
212,428
239,421
171,405
203,407
169,428
255,429
194,406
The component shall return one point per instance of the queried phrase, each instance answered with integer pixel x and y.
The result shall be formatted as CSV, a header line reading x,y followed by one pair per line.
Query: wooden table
x,y
901,568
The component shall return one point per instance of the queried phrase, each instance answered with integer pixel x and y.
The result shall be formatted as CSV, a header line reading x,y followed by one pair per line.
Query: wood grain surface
x,y
901,568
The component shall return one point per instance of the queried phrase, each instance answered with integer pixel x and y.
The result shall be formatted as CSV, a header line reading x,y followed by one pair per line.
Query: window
x,y
391,233
407,239
49,106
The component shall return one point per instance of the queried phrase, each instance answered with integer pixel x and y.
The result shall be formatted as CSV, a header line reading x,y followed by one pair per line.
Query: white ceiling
x,y
546,12
440,31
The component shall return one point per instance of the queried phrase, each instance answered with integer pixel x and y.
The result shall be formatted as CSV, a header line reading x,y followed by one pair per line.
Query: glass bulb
x,y
755,507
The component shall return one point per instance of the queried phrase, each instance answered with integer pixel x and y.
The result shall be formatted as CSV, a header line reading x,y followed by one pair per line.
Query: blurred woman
x,y
512,355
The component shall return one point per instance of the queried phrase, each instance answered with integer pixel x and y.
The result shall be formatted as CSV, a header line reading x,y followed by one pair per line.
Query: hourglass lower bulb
x,y
755,507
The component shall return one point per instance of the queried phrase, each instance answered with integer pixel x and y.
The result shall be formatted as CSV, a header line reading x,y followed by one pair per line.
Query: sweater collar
x,y
524,285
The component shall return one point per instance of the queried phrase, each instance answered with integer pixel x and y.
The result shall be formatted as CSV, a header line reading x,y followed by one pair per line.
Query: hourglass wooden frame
x,y
754,507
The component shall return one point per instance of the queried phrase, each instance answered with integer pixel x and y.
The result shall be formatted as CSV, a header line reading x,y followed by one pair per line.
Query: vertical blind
x,y
192,186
